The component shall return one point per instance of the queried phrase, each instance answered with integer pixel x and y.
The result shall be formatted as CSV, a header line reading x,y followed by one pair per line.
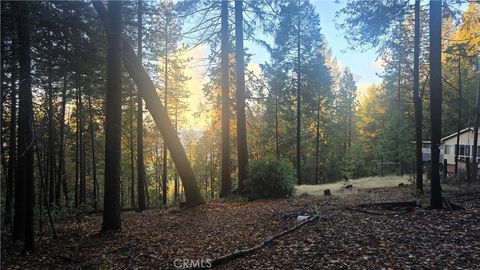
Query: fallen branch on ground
x,y
243,252
390,205
377,213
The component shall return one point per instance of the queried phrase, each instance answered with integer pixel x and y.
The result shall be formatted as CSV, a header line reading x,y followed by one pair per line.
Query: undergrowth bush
x,y
270,179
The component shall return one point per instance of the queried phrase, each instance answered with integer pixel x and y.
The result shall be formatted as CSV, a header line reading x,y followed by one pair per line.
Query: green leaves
x,y
270,179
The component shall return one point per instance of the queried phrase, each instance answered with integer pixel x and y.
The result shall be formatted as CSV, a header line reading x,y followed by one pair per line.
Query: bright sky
x,y
364,65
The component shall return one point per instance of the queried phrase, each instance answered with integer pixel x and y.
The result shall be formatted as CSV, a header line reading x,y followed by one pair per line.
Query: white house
x,y
465,148
426,150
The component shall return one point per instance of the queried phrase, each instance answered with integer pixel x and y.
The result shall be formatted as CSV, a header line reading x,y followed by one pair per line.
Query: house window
x,y
449,150
464,150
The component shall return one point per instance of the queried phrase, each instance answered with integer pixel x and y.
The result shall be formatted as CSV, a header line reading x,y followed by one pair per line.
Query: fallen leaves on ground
x,y
341,238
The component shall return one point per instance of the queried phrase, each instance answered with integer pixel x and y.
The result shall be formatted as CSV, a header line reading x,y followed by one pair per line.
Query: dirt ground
x,y
345,236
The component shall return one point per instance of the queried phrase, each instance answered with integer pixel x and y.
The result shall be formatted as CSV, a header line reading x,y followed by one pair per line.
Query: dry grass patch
x,y
362,183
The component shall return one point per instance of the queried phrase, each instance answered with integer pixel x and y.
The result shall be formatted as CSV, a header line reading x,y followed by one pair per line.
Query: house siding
x,y
466,138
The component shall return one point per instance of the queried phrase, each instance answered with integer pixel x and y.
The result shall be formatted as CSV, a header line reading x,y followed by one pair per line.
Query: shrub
x,y
270,179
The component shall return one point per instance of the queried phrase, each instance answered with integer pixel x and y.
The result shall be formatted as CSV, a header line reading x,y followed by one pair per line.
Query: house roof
x,y
455,133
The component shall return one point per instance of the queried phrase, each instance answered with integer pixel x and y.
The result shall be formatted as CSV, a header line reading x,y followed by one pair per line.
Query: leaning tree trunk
x,y
159,114
242,146
435,99
25,186
417,102
113,117
226,188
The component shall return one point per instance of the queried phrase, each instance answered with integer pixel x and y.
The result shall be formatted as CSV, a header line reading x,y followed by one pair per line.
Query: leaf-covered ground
x,y
345,236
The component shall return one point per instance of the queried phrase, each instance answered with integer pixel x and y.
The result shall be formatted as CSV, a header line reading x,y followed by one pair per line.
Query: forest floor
x,y
344,236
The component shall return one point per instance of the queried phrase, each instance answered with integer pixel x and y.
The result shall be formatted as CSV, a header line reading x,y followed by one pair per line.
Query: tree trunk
x,y
207,165
435,99
61,178
212,174
122,194
92,144
399,103
175,177
242,145
51,141
76,159
18,232
226,181
81,148
12,145
417,102
157,176
113,123
277,150
77,142
164,176
475,134
459,125
317,143
3,98
159,114
132,159
298,137
349,135
140,164
61,149
45,161
24,189
165,161
63,141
